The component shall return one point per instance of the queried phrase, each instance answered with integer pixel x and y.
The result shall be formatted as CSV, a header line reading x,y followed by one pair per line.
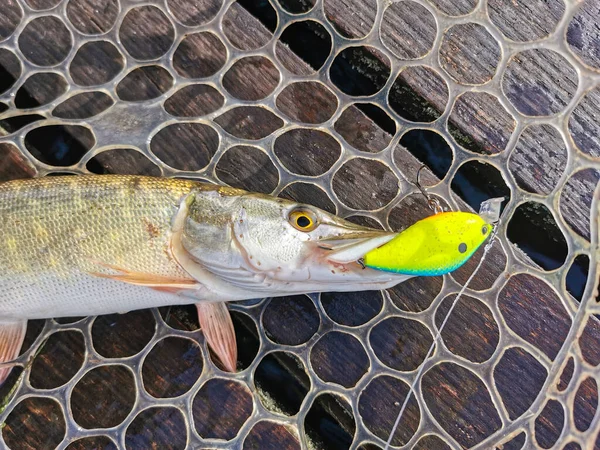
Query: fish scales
x,y
55,229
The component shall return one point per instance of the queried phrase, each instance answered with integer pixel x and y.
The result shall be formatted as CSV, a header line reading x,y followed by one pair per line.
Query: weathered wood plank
x,y
13,165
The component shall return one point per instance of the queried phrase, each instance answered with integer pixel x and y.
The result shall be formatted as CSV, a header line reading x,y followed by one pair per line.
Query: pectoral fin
x,y
216,324
12,335
156,282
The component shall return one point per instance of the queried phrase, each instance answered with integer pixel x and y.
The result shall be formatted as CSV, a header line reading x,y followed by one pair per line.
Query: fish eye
x,y
462,248
484,230
303,220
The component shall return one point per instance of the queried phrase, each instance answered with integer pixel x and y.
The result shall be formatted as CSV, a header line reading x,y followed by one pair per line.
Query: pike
x,y
92,245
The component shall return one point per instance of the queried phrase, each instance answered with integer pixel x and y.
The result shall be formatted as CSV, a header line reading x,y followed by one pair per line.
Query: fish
x,y
436,245
100,244
92,245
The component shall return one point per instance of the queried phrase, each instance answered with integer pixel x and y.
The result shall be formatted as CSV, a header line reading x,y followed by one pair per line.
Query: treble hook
x,y
432,202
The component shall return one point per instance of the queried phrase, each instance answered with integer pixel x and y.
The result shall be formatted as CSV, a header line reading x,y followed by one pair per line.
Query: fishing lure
x,y
436,245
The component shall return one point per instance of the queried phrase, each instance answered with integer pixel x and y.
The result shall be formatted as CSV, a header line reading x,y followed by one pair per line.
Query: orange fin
x,y
12,335
157,282
216,324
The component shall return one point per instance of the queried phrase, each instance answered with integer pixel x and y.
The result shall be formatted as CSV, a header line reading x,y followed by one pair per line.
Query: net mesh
x,y
335,103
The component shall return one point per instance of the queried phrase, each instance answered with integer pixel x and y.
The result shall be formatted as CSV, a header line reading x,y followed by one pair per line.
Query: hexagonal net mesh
x,y
335,103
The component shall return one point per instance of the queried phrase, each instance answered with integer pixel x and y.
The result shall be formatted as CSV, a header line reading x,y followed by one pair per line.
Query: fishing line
x,y
486,249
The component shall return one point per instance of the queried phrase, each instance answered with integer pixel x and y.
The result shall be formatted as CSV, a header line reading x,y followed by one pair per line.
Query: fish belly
x,y
58,233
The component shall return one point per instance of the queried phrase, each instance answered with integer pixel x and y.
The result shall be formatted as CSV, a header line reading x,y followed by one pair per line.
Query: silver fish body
x,y
90,245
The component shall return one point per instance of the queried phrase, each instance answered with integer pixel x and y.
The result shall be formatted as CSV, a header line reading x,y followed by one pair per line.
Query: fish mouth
x,y
354,245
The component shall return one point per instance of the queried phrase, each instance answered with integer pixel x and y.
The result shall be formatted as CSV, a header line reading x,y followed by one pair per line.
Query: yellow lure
x,y
433,246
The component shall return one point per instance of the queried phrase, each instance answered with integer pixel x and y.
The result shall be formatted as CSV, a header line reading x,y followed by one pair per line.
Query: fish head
x,y
272,246
436,245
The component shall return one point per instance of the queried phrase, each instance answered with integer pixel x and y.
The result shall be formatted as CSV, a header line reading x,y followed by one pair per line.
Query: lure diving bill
x,y
433,246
